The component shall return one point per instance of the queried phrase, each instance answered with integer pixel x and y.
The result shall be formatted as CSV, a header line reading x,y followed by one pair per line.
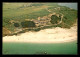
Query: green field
x,y
21,11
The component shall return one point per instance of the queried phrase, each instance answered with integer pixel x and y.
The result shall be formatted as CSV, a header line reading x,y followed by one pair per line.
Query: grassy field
x,y
21,11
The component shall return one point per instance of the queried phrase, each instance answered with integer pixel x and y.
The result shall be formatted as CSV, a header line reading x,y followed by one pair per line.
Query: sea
x,y
70,5
68,48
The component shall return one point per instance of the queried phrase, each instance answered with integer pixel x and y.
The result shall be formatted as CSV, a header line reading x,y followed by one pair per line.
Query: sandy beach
x,y
53,35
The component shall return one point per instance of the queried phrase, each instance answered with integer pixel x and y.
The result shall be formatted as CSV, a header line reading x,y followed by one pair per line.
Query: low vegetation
x,y
16,24
55,19
28,24
21,11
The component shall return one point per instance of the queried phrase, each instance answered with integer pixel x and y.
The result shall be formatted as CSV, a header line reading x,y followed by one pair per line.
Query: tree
x,y
28,24
16,24
55,19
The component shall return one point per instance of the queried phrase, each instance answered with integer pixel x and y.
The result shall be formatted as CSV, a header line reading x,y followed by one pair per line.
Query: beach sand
x,y
53,35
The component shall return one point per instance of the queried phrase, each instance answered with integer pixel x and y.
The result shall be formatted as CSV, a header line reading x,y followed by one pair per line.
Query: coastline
x,y
54,35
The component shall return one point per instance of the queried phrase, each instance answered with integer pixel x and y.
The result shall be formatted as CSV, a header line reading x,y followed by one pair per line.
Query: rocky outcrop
x,y
6,31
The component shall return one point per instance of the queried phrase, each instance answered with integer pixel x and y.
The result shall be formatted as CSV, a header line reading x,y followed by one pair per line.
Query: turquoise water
x,y
70,5
36,48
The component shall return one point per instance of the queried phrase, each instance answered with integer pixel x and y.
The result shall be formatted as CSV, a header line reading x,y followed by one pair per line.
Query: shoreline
x,y
54,35
49,42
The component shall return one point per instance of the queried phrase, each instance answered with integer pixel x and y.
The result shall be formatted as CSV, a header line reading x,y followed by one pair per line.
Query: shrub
x,y
28,24
54,19
16,25
38,29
